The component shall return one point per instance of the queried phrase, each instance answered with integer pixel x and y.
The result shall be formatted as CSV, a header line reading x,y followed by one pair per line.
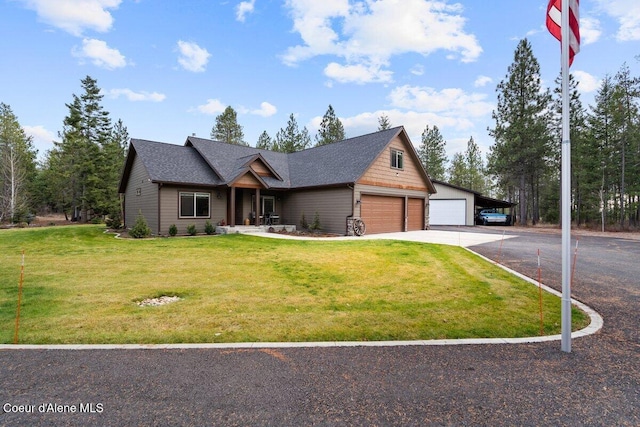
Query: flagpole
x,y
566,185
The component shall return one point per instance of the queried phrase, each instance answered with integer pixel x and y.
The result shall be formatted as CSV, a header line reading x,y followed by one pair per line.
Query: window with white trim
x,y
195,205
396,159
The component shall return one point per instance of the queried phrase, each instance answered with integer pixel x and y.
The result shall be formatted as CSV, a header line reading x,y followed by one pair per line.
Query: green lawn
x,y
81,286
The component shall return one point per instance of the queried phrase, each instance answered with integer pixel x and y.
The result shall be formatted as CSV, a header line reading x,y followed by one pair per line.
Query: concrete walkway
x,y
455,238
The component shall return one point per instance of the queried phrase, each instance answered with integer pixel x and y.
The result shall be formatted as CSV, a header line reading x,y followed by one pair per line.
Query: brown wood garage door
x,y
416,214
382,214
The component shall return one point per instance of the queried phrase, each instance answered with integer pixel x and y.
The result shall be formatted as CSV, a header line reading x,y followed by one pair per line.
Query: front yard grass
x,y
82,286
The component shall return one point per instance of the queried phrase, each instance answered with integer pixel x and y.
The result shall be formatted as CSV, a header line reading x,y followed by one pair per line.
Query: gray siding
x,y
333,205
446,192
141,196
169,205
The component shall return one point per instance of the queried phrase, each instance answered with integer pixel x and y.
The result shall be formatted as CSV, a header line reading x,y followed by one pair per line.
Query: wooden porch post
x,y
232,208
257,206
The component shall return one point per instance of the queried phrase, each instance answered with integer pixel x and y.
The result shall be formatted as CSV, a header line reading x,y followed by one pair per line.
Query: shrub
x,y
173,230
191,229
315,225
303,222
140,229
114,219
209,228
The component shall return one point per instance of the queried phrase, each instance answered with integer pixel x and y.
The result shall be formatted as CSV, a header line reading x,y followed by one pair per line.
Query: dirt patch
x,y
154,302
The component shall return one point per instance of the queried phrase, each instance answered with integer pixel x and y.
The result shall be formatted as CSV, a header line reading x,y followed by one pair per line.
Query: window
x,y
396,159
194,205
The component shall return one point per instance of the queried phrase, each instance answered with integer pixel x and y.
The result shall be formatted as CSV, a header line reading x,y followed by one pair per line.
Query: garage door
x,y
416,214
447,212
382,214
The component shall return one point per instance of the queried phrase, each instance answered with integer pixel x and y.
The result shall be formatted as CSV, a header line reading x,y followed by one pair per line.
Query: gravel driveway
x,y
598,383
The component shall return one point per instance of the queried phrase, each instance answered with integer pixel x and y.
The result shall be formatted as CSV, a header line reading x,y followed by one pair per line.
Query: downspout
x,y
159,205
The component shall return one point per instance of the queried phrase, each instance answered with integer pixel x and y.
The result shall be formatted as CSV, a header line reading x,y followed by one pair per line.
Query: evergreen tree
x,y
84,166
17,168
458,170
264,141
292,139
519,158
227,128
383,122
331,129
626,116
474,164
602,133
583,161
432,152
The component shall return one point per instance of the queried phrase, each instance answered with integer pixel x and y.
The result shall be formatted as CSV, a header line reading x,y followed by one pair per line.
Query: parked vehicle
x,y
492,216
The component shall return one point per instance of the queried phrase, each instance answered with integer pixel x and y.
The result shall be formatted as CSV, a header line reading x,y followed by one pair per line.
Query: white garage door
x,y
447,212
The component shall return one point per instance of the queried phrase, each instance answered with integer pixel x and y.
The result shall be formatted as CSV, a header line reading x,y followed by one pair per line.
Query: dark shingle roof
x,y
230,160
342,162
170,163
206,162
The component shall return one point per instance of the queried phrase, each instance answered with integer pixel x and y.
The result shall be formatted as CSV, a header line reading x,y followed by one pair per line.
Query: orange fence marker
x,y
15,335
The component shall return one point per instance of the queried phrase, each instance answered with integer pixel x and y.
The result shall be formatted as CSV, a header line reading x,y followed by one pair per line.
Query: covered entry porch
x,y
254,207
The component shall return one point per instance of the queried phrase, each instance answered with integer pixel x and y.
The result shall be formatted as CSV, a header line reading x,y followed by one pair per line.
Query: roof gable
x,y
168,163
205,162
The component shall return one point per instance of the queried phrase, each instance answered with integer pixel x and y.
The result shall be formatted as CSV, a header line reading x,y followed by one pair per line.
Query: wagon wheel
x,y
358,227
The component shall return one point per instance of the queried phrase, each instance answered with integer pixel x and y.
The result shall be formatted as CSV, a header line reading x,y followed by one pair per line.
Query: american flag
x,y
554,20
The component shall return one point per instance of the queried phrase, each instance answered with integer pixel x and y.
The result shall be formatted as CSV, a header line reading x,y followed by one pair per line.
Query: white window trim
x,y
195,197
395,155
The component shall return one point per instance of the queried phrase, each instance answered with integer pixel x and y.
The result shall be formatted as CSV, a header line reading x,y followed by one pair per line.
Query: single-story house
x,y
454,205
377,178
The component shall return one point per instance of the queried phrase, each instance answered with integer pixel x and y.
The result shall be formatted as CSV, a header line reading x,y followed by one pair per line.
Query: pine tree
x,y
331,129
583,162
227,128
383,122
458,171
264,141
476,180
291,139
432,153
17,168
626,115
84,166
602,133
519,157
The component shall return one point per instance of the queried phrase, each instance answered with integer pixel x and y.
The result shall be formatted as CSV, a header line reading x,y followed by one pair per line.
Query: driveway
x,y
597,383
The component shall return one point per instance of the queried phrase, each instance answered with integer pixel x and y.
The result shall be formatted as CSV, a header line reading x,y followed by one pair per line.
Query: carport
x,y
455,205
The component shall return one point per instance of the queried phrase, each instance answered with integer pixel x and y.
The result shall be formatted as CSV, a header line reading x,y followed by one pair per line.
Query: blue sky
x,y
168,68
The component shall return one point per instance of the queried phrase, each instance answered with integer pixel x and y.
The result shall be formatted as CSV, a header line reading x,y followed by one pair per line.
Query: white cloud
x,y
482,81
417,70
212,107
42,138
372,32
137,96
100,54
627,12
358,73
192,57
244,8
587,83
590,30
74,16
451,102
265,110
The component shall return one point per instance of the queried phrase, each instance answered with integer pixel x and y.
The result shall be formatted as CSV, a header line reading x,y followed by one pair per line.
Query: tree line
x,y
80,174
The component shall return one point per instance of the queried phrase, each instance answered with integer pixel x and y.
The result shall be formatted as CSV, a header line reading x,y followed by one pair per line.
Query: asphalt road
x,y
597,384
